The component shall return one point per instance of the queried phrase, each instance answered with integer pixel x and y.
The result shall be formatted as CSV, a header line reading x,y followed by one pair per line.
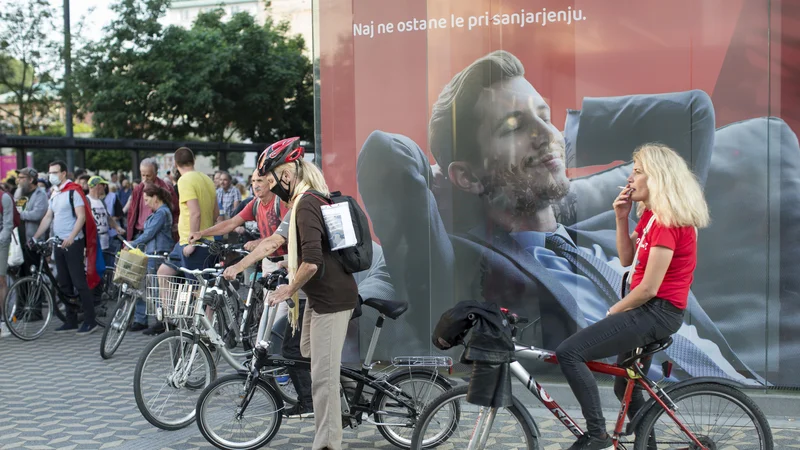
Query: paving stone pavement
x,y
58,393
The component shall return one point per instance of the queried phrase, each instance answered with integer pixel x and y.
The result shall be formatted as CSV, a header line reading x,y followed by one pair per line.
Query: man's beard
x,y
521,193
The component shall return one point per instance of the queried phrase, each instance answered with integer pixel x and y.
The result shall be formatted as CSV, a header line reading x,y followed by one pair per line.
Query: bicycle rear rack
x,y
422,361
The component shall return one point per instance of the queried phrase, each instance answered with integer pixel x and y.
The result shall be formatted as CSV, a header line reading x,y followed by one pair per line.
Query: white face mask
x,y
55,180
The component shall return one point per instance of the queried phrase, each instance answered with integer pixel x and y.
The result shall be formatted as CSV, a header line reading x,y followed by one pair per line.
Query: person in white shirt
x,y
101,216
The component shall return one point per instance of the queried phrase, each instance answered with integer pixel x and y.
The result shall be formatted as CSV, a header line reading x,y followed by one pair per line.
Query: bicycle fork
x,y
483,426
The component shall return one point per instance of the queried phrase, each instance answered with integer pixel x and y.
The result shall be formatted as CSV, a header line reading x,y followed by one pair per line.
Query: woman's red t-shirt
x,y
680,274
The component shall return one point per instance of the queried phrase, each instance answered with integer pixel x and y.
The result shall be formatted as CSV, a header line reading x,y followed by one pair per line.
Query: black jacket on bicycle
x,y
490,349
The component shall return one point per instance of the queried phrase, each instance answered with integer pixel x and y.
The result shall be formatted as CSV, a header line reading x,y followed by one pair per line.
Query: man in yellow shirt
x,y
198,211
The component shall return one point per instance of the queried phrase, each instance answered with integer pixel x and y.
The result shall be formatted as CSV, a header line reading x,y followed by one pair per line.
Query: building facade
x,y
296,12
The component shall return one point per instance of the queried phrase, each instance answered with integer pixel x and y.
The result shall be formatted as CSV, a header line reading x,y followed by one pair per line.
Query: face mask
x,y
281,191
85,192
55,180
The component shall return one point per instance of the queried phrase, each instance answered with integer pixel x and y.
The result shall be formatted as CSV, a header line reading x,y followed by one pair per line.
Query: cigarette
x,y
621,187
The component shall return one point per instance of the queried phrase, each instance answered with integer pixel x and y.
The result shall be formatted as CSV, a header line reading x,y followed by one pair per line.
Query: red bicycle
x,y
696,414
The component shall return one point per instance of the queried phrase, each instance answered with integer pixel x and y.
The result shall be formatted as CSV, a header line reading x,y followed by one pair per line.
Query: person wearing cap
x,y
31,202
101,216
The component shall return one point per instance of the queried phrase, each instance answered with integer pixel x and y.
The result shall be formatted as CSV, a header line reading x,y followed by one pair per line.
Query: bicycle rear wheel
x,y
28,308
719,416
449,421
419,387
118,326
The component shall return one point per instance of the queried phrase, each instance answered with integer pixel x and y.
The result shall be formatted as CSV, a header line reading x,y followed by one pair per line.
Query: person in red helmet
x,y
331,299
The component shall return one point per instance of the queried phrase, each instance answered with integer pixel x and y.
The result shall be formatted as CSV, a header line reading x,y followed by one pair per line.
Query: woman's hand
x,y
283,293
623,203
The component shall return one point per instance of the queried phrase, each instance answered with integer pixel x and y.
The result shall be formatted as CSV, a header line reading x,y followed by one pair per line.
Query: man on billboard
x,y
491,226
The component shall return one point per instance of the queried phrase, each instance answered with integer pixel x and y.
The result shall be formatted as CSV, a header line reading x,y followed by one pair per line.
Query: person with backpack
x,y
268,211
7,225
332,298
70,213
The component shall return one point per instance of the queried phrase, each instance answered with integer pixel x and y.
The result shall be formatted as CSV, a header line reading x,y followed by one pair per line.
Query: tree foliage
x,y
29,57
220,80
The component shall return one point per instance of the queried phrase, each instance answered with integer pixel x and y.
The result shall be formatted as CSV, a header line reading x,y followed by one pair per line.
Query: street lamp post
x,y
68,86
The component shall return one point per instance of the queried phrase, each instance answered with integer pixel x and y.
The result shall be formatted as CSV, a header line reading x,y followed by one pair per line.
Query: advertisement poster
x,y
438,114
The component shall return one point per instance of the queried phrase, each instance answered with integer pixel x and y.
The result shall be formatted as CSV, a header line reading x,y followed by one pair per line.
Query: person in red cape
x,y
90,231
70,214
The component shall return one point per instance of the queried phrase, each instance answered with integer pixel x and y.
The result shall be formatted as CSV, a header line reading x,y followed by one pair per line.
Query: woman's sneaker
x,y
300,411
587,442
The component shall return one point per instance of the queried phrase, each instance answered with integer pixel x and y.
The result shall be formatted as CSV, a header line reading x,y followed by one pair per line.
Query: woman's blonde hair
x,y
676,197
307,177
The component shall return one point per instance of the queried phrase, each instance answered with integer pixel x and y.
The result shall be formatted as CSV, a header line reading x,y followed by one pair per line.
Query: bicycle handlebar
x,y
160,255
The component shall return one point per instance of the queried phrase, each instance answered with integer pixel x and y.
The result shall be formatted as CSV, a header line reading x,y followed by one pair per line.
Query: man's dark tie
x,y
607,280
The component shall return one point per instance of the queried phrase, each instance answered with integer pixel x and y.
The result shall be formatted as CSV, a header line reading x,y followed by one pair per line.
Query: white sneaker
x,y
4,330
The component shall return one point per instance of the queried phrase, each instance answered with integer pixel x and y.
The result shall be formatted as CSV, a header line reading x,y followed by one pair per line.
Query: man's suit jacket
x,y
434,269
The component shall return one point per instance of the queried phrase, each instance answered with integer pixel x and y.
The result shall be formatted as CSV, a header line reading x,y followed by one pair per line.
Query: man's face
x,y
225,182
25,182
260,187
84,184
125,184
148,173
217,179
522,152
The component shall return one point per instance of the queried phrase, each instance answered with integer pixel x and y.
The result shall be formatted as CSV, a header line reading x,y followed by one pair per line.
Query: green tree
x,y
218,81
28,59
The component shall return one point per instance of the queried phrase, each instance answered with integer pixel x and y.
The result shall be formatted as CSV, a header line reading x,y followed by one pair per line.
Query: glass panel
x,y
481,128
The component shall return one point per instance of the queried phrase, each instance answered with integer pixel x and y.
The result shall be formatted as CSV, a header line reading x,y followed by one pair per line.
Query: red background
x,y
390,81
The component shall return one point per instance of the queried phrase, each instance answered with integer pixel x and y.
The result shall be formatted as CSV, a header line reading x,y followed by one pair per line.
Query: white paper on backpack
x,y
339,224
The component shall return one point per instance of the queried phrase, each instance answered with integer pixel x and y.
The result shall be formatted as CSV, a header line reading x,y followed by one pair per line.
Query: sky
x,y
95,21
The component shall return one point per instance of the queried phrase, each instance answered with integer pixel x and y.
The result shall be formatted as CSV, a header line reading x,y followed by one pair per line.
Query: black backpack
x,y
358,258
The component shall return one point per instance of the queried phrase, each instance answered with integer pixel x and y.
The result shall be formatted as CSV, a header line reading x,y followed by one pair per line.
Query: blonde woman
x,y
663,253
331,299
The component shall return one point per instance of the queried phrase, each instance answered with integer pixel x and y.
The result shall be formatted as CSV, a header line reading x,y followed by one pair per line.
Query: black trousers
x,y
291,349
71,277
618,334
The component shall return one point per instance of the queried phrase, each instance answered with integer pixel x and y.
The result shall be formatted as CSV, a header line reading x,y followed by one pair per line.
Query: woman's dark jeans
x,y
618,334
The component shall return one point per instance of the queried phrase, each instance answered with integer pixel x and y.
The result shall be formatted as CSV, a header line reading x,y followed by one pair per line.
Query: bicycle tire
x,y
137,380
517,410
210,393
16,286
677,394
397,379
124,323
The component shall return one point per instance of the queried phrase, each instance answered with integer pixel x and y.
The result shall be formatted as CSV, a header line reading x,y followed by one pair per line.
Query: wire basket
x,y
171,297
131,268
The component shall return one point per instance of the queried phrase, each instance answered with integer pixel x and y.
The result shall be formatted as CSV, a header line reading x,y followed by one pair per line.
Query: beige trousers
x,y
322,340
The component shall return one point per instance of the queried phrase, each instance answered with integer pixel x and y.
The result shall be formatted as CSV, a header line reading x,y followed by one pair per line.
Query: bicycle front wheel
x,y
168,378
224,424
28,308
118,326
719,416
448,423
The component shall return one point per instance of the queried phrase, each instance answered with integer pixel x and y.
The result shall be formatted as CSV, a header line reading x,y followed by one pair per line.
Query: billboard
x,y
413,93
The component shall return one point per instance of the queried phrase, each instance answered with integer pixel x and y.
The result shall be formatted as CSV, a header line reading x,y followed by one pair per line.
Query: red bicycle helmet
x,y
279,153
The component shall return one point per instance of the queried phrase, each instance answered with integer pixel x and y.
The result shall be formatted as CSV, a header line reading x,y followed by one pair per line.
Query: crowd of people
x,y
174,214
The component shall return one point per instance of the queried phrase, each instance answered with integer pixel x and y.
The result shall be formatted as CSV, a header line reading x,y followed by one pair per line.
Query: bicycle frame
x,y
353,408
634,377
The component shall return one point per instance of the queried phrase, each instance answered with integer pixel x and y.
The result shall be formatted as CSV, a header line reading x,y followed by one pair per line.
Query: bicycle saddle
x,y
649,349
390,308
